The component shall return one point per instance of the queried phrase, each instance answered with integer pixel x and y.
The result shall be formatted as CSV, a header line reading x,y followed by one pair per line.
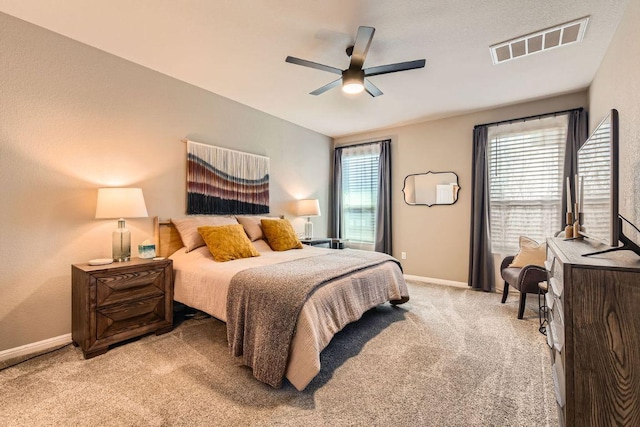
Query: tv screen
x,y
598,171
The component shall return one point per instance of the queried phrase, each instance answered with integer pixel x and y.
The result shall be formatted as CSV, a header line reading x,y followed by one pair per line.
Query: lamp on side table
x,y
308,208
121,203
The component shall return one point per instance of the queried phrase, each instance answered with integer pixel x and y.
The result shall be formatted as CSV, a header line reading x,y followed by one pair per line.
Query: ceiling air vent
x,y
560,35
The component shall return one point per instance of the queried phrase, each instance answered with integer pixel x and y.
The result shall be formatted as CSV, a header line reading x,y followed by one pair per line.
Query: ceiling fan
x,y
353,78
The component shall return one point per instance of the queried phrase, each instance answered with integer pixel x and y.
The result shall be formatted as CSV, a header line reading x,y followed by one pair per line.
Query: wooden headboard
x,y
166,237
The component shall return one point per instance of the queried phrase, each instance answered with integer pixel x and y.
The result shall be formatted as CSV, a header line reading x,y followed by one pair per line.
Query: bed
x,y
212,287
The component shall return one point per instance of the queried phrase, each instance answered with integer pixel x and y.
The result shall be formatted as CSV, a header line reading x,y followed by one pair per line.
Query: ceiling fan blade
x,y
393,68
315,65
361,47
371,88
326,87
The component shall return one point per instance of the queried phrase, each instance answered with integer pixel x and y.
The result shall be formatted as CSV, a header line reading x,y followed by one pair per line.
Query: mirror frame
x,y
404,194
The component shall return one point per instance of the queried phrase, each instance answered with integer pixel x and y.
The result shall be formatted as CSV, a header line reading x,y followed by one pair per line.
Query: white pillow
x,y
188,227
252,225
531,253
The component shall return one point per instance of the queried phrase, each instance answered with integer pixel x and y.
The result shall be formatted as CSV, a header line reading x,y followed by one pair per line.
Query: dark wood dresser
x,y
594,333
116,302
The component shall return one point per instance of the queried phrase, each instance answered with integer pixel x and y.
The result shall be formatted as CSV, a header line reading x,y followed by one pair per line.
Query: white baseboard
x,y
437,281
36,347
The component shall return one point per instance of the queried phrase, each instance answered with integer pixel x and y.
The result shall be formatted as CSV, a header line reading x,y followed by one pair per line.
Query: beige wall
x,y
72,119
436,239
617,85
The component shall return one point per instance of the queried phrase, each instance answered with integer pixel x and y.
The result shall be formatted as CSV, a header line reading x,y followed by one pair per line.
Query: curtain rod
x,y
361,143
524,119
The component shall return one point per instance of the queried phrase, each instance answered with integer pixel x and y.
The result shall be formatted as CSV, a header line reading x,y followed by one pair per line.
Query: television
x,y
598,172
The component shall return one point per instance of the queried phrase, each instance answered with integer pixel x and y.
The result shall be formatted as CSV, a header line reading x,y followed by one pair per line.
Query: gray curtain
x,y
336,196
577,130
481,274
383,213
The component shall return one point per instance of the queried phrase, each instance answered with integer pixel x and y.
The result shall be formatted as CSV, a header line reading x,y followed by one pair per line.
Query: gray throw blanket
x,y
263,305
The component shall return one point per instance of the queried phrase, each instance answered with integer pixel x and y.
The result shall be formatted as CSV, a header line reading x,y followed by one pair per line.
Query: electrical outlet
x,y
403,255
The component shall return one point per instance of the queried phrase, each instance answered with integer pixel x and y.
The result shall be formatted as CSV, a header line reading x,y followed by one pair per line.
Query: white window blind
x,y
526,163
360,194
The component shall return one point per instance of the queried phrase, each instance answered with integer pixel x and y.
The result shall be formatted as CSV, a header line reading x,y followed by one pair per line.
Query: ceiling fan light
x,y
352,87
353,81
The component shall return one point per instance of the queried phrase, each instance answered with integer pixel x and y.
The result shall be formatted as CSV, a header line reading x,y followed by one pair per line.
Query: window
x,y
360,166
525,164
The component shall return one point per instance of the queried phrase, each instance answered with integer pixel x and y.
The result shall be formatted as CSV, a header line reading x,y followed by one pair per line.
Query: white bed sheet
x,y
203,282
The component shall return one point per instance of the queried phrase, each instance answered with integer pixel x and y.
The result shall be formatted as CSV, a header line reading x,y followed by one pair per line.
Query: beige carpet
x,y
450,356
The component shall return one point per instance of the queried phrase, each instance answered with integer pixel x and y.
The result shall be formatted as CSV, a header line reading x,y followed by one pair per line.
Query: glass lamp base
x,y
121,243
308,229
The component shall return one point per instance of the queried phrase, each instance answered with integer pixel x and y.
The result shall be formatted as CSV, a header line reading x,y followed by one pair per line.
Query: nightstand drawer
x,y
133,315
126,286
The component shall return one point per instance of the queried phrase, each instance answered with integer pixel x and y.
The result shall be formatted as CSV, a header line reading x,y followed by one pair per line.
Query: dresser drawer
x,y
554,266
556,324
557,372
127,286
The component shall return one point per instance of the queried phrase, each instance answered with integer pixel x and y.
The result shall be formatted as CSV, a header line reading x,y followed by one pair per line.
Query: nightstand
x,y
116,302
316,241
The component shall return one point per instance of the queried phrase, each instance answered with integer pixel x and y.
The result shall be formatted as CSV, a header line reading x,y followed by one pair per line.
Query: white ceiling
x,y
237,49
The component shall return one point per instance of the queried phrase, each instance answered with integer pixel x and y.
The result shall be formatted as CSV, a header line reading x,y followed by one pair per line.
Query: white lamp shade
x,y
120,203
308,207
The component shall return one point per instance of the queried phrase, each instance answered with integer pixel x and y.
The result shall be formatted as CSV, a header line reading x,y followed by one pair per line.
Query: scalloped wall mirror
x,y
431,188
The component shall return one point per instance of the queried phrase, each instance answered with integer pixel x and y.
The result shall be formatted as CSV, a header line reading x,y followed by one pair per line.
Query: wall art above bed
x,y
223,181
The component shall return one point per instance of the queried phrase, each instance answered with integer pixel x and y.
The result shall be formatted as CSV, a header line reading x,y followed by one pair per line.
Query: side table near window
x,y
116,302
323,242
543,315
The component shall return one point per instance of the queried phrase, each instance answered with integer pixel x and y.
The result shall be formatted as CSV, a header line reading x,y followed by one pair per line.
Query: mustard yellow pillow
x,y
531,253
227,242
280,234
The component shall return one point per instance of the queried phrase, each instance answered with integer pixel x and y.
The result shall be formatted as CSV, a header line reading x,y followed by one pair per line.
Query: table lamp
x,y
308,208
121,203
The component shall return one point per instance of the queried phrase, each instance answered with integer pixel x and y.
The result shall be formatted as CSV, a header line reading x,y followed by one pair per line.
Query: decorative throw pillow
x,y
280,234
188,228
531,253
252,226
227,242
